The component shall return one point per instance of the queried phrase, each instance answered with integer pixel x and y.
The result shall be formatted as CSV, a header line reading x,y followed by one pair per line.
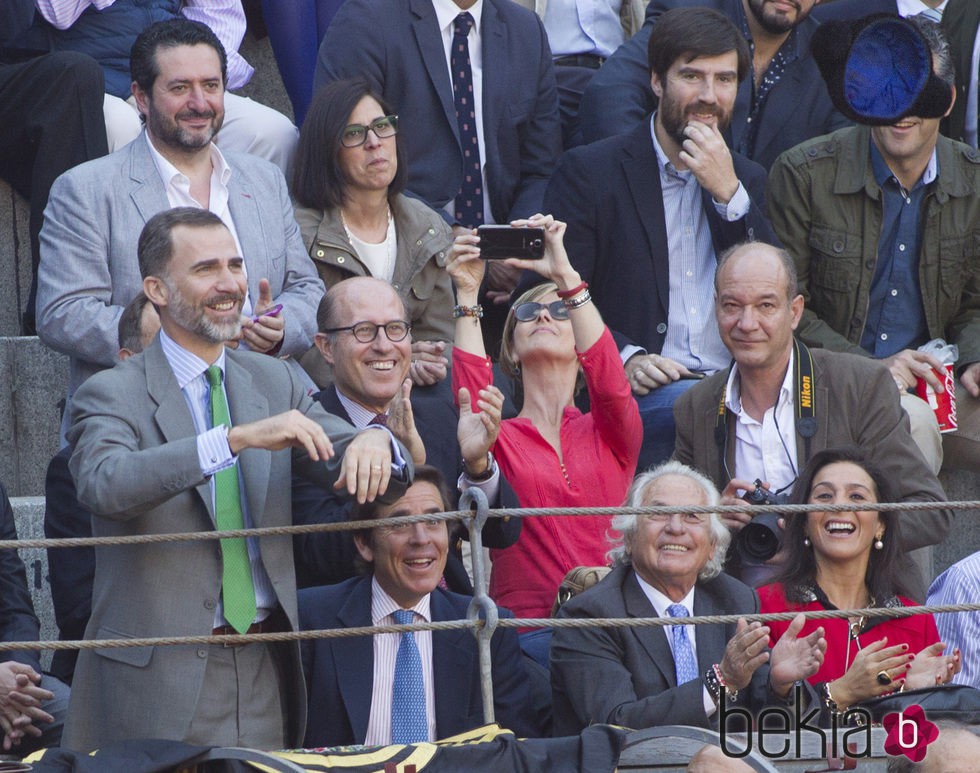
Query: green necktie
x,y
237,590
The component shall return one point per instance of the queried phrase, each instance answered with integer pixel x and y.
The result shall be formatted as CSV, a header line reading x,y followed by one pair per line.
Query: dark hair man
x,y
782,103
354,684
648,211
96,212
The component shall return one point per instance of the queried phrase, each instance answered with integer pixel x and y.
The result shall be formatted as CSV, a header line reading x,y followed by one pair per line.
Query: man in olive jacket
x,y
884,225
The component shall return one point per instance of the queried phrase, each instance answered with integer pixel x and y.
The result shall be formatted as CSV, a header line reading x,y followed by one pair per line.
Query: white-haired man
x,y
669,564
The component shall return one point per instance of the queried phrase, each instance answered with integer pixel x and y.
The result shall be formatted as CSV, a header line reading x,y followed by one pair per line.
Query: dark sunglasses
x,y
528,312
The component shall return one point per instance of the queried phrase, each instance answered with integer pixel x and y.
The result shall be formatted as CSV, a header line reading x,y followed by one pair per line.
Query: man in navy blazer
x,y
350,680
653,283
399,47
796,108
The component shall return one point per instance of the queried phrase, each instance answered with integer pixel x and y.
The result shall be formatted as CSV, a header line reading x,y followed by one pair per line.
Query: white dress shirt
x,y
446,13
178,188
766,449
692,332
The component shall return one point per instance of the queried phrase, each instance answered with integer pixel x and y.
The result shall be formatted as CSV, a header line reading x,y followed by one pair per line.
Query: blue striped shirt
x,y
214,454
692,333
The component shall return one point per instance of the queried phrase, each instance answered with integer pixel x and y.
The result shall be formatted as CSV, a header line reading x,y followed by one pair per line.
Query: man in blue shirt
x,y
884,224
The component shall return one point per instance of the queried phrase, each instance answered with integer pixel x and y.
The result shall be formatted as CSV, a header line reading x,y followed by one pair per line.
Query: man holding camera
x,y
780,402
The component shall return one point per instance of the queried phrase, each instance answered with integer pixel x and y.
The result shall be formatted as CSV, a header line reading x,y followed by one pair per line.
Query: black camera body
x,y
761,538
499,242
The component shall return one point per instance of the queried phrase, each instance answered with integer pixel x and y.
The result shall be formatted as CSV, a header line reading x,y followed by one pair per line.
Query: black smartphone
x,y
498,242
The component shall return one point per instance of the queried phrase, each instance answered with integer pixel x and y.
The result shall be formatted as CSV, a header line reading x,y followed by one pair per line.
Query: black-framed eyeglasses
x,y
528,312
366,332
355,135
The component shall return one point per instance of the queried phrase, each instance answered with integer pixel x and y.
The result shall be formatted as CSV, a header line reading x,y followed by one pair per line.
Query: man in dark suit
x,y
354,683
652,282
783,102
402,47
854,402
407,49
670,565
961,24
32,704
184,437
371,384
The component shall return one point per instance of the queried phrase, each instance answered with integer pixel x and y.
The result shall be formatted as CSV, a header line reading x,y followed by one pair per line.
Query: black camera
x,y
761,538
499,242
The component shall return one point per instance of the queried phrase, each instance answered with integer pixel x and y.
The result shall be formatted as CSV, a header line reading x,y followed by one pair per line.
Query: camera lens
x,y
760,539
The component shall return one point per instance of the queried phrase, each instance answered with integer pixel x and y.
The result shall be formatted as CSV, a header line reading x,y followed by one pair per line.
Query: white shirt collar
x,y
908,8
383,605
447,11
168,172
733,389
660,601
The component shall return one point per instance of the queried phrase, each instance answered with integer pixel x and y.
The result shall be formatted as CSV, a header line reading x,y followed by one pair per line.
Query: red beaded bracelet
x,y
563,294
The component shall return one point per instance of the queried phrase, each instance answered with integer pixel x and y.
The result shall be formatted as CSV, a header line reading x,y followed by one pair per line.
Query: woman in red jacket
x,y
854,560
551,453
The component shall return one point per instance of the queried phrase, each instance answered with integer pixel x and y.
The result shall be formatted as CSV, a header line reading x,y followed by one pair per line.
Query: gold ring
x,y
883,678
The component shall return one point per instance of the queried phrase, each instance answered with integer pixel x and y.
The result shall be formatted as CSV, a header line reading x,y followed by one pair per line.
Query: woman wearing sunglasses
x,y
356,222
551,453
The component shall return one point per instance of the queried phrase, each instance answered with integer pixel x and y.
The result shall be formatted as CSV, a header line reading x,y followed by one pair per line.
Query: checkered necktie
x,y
237,590
408,719
684,662
469,200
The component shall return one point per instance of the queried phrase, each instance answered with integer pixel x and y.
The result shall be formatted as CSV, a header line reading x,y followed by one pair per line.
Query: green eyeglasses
x,y
355,135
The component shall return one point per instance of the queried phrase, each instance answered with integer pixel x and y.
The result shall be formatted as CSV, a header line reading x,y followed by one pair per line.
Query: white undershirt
x,y
178,188
759,447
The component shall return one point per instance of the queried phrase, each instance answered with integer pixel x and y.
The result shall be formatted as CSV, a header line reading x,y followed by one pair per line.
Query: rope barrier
x,y
523,512
454,625
475,623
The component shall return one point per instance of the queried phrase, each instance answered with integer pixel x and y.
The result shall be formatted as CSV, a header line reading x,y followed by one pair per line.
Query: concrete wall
x,y
29,520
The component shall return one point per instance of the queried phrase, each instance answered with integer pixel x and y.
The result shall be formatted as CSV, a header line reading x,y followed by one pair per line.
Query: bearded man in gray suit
x,y
155,441
95,212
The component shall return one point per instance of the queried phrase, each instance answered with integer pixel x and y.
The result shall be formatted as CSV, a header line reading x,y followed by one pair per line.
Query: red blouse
x,y
600,450
918,631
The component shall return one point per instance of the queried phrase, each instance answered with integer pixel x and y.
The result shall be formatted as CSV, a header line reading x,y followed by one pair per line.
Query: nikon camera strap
x,y
806,423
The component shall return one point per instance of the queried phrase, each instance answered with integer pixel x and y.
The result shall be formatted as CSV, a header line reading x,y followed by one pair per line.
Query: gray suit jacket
x,y
89,271
626,676
137,469
855,403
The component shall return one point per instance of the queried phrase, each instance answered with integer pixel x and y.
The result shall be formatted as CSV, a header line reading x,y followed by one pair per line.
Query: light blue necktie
x,y
684,662
932,14
408,719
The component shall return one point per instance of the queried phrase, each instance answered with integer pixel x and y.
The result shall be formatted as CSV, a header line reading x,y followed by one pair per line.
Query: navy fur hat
x,y
878,70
